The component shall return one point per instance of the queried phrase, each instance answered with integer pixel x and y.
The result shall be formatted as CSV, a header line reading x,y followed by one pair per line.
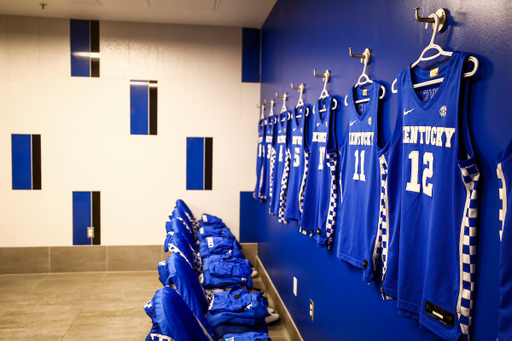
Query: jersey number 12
x,y
428,172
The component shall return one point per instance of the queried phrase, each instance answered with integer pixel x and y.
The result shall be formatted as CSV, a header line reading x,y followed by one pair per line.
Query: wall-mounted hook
x,y
300,87
365,57
441,14
325,76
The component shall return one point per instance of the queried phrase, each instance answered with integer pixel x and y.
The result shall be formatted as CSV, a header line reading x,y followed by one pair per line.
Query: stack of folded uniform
x,y
215,238
205,261
238,310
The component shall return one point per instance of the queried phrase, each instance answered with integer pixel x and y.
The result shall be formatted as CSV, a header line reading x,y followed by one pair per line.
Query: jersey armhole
x,y
465,150
397,131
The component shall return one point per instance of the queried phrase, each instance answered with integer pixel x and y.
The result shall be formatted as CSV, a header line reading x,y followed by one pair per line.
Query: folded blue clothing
x,y
211,281
237,306
251,336
178,271
210,220
219,246
229,266
212,231
173,319
226,329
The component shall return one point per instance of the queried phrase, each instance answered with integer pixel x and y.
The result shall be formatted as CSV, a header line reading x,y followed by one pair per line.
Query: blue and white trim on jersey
x,y
503,197
470,176
284,188
383,233
332,161
271,179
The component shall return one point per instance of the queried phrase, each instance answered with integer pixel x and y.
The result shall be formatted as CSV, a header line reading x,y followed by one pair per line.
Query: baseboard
x,y
80,258
89,258
280,307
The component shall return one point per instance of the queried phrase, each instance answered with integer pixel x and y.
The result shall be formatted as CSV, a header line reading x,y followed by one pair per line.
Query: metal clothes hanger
x,y
271,113
300,103
364,78
438,19
326,76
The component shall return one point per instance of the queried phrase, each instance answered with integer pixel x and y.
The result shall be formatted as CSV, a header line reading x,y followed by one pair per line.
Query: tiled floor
x,y
81,306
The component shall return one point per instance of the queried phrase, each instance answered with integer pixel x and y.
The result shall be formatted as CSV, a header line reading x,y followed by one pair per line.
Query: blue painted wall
x,y
301,35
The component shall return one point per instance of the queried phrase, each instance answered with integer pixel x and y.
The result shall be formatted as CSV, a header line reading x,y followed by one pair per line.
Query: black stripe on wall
x,y
153,106
36,161
96,218
208,163
95,47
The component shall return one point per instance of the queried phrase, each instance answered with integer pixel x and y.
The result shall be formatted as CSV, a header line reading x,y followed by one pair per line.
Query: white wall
x,y
85,127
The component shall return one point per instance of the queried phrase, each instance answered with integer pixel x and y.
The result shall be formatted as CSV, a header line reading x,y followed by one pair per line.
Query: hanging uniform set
x,y
406,209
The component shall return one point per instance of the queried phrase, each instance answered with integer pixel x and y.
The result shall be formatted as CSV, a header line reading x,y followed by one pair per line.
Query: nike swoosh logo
x,y
352,123
408,111
317,124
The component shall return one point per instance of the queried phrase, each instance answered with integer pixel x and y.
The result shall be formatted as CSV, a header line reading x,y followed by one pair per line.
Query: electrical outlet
x,y
295,286
311,309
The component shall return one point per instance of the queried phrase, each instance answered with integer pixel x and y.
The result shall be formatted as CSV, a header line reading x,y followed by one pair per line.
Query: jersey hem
x,y
409,307
438,330
350,260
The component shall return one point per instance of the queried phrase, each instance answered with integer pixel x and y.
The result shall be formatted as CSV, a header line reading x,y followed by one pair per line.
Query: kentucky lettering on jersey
x,y
269,139
429,135
361,138
281,139
260,139
297,140
320,137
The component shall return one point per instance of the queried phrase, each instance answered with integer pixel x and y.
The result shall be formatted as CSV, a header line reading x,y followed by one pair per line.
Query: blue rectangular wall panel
x,y
80,43
139,108
251,55
81,217
195,163
21,161
248,218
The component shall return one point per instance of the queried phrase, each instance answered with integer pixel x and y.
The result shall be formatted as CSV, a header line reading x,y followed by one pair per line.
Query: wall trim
x,y
89,258
280,307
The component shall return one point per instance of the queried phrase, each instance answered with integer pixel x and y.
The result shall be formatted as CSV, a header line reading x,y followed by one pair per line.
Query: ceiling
x,y
239,13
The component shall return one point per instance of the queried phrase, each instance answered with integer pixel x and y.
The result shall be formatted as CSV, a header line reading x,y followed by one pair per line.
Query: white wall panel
x,y
24,49
85,127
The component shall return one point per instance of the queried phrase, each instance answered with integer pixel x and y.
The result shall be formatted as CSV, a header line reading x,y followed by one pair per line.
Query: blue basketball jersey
x,y
296,153
319,194
259,191
270,157
437,183
504,170
282,161
359,174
